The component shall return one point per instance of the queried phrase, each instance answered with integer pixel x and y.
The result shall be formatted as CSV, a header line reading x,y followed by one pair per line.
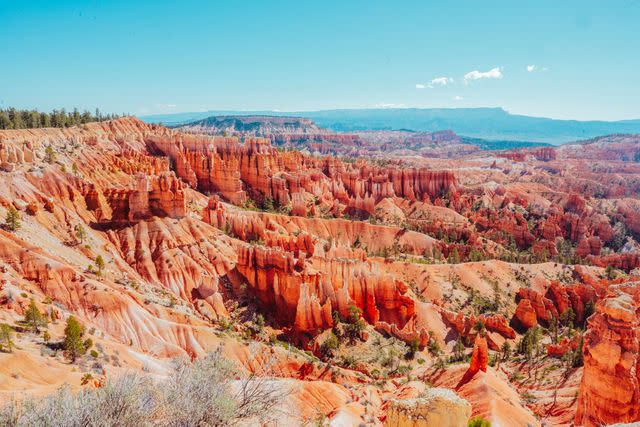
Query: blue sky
x,y
162,56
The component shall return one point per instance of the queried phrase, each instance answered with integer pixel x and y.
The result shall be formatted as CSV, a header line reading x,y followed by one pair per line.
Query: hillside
x,y
484,123
353,290
254,125
304,134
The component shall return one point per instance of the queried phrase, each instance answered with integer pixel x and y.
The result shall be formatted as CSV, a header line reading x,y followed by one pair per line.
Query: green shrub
x,y
478,422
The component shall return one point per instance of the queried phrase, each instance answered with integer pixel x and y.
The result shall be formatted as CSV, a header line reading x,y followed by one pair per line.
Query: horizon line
x,y
373,108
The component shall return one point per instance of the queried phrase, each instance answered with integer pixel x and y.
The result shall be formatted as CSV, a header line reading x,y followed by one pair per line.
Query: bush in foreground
x,y
203,393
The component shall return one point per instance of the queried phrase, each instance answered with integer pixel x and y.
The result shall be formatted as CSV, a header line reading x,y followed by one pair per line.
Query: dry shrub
x,y
208,392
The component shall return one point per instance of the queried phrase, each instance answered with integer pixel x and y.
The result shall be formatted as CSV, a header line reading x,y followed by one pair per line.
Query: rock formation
x,y
610,388
480,356
212,242
439,407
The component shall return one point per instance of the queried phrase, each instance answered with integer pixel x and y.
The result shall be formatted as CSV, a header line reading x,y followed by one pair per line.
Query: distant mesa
x,y
483,123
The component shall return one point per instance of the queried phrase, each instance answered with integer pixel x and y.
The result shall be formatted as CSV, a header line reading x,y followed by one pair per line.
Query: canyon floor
x,y
356,275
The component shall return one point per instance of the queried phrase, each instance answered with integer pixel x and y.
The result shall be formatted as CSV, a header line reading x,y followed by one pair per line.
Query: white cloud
x,y
535,68
440,81
457,98
494,73
386,105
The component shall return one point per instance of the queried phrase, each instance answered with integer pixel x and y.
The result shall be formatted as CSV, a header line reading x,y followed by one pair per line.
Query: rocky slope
x,y
351,283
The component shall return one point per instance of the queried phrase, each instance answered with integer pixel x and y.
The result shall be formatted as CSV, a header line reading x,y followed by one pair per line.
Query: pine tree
x,y
34,318
73,345
528,343
16,117
458,349
99,262
355,323
45,120
553,329
49,154
63,119
506,350
5,121
568,317
329,345
589,309
454,257
75,117
34,119
6,338
12,220
578,356
80,233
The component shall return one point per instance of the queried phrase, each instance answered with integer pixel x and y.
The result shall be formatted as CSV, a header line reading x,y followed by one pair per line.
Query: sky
x,y
560,59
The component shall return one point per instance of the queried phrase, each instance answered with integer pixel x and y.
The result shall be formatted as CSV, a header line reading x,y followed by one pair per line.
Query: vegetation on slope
x,y
202,393
487,144
12,118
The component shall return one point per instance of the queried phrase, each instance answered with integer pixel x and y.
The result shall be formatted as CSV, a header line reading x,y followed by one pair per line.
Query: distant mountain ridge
x,y
484,123
256,125
302,133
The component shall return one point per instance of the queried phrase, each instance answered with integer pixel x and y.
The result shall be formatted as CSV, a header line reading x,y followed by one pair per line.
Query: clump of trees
x,y
203,393
529,345
12,118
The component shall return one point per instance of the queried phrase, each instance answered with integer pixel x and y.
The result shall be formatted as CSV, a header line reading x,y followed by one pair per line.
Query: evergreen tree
x,y
16,117
589,309
34,318
49,154
86,117
73,345
454,257
568,317
21,119
529,343
6,338
553,329
355,323
33,120
80,233
12,220
458,349
99,264
63,119
506,350
578,356
75,117
5,121
45,120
